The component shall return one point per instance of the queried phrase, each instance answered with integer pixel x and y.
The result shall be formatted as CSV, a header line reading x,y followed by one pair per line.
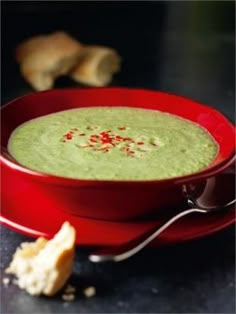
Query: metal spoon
x,y
117,254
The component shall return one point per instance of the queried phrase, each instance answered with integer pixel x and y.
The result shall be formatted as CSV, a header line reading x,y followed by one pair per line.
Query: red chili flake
x,y
82,134
103,149
105,140
92,140
68,136
140,143
118,137
122,128
105,136
127,139
131,152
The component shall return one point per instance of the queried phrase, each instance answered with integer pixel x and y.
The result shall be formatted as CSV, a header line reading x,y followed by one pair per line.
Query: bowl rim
x,y
60,180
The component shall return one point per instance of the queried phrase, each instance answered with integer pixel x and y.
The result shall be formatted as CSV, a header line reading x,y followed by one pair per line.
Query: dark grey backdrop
x,y
186,48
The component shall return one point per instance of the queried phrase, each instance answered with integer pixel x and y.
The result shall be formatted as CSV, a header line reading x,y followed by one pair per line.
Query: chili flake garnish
x,y
68,136
127,139
106,140
118,137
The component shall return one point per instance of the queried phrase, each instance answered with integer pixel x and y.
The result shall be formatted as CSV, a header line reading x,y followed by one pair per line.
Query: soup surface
x,y
112,143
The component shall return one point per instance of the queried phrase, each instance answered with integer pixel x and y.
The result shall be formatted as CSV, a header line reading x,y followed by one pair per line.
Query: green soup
x,y
112,143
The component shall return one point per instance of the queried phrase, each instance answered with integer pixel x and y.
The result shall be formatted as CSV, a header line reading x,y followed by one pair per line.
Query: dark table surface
x,y
186,48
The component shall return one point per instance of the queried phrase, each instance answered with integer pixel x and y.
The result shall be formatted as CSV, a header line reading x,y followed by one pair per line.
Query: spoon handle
x,y
120,253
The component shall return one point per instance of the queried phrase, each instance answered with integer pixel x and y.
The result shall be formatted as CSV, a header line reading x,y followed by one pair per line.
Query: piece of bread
x,y
42,267
96,66
44,58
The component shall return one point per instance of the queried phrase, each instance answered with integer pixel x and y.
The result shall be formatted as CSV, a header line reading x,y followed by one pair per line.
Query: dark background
x,y
187,48
180,47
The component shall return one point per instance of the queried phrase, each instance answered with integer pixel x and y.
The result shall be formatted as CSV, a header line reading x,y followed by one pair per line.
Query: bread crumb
x,y
89,292
69,289
6,281
68,297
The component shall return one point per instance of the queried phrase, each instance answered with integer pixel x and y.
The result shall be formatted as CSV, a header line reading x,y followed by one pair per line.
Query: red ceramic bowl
x,y
110,200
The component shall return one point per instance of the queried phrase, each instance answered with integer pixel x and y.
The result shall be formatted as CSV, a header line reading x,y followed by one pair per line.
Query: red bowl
x,y
109,200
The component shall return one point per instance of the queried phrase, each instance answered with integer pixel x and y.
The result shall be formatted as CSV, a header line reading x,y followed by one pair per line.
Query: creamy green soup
x,y
112,143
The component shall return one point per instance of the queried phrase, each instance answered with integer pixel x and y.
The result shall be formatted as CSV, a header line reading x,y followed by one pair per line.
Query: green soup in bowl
x,y
112,143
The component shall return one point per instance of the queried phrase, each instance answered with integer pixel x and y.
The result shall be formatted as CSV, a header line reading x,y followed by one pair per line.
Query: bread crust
x,y
96,66
44,58
43,267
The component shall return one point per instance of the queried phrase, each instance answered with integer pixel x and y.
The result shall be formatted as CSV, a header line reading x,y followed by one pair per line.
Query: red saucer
x,y
104,233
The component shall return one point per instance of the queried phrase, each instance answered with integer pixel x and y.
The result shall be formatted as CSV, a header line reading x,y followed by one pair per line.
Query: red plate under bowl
x,y
109,200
